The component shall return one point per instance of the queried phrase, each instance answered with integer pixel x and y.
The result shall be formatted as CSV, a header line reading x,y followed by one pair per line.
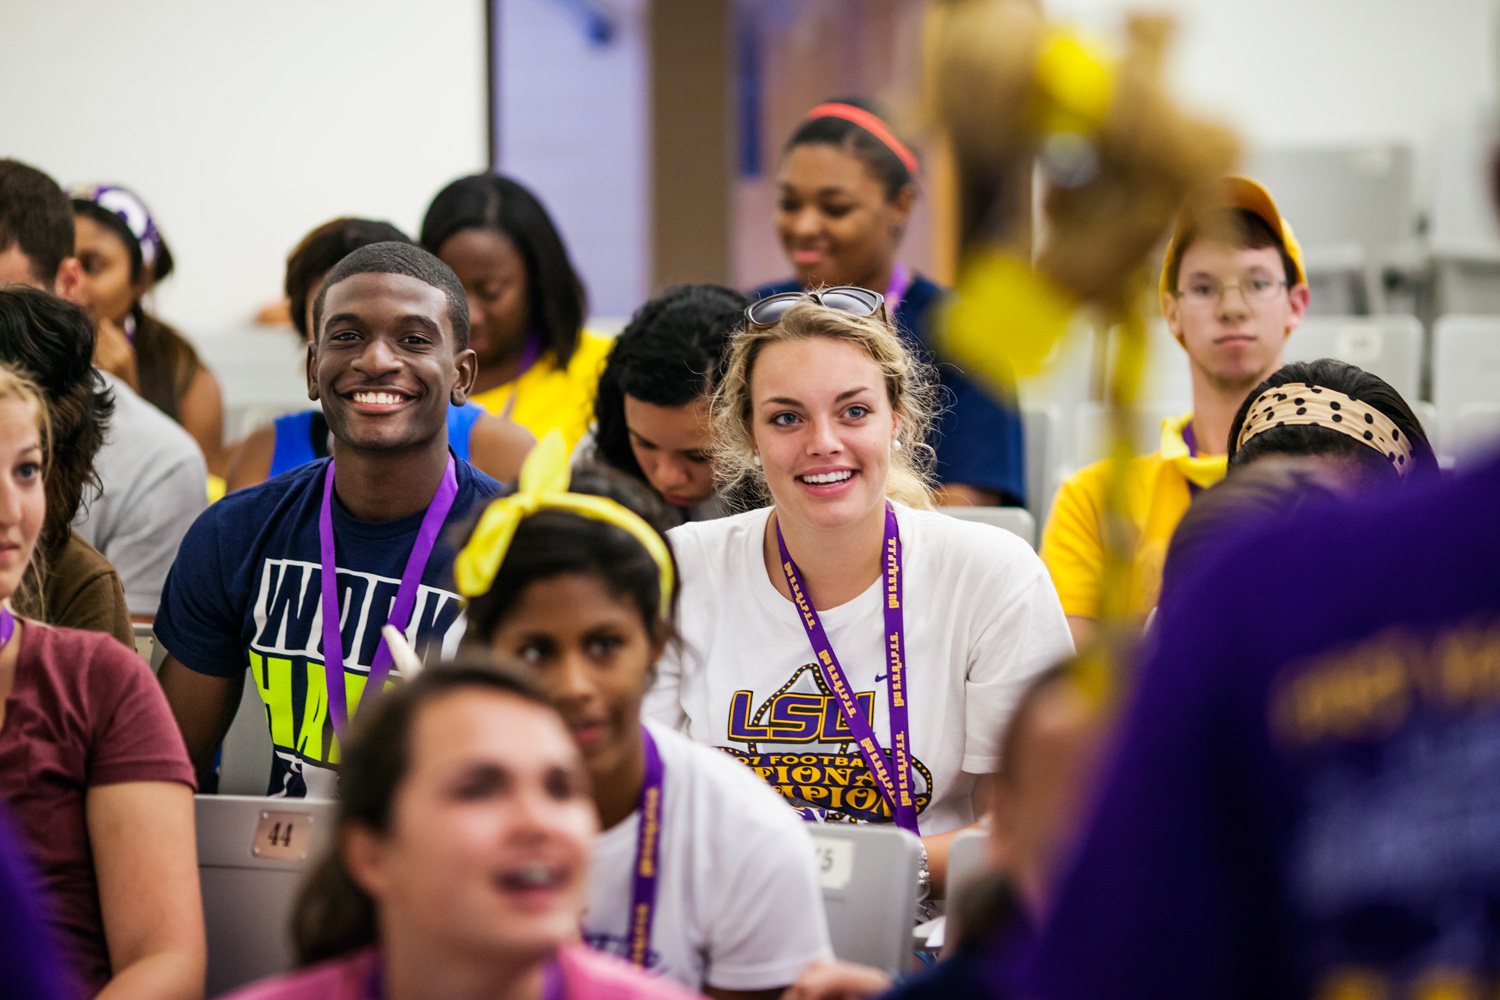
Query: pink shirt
x,y
587,975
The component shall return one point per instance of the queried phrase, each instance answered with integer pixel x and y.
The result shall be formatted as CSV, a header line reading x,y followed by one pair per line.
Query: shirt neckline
x,y
346,524
780,606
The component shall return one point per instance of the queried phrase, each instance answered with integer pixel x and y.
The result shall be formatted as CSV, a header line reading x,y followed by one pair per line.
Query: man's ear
x,y
69,284
312,367
1171,311
1300,296
465,371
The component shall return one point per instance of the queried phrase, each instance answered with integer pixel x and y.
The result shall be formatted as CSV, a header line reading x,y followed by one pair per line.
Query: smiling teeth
x,y
823,479
385,398
536,874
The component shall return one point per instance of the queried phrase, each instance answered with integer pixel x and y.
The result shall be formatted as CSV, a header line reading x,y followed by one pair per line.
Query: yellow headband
x,y
1314,405
544,486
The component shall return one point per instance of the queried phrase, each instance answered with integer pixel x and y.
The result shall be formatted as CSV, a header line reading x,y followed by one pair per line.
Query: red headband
x,y
871,124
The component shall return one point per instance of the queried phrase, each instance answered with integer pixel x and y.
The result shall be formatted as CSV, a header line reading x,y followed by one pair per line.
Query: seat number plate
x,y
835,861
282,836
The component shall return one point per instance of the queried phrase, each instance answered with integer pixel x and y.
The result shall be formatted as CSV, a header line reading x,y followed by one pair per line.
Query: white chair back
x,y
1045,449
869,878
1016,520
1091,429
968,859
1388,346
252,856
245,760
1466,382
146,645
260,373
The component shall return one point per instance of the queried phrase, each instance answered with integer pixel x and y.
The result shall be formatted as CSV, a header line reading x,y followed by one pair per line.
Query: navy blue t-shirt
x,y
979,441
246,590
1306,797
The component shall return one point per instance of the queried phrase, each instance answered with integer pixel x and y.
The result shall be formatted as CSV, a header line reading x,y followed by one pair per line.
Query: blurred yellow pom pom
x,y
1005,319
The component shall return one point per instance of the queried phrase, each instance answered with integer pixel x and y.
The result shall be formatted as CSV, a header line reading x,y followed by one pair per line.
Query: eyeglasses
x,y
845,298
1207,293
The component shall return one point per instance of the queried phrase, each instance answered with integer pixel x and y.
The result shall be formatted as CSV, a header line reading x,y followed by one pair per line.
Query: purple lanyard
x,y
401,608
896,290
896,789
1191,440
647,856
7,626
553,985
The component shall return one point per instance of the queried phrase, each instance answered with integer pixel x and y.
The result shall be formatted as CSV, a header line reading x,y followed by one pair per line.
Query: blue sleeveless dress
x,y
303,437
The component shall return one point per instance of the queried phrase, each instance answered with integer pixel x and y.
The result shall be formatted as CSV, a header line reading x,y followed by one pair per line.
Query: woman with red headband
x,y
847,185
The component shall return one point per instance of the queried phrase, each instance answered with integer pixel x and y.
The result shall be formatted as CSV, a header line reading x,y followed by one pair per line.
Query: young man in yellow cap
x,y
1233,288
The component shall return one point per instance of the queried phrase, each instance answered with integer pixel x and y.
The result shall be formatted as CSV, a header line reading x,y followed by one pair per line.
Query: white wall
x,y
1325,72
243,125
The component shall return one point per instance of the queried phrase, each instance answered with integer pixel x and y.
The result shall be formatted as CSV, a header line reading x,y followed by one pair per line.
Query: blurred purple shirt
x,y
1306,791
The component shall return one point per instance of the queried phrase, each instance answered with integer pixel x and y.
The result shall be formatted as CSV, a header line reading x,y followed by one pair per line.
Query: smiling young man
x,y
259,573
1233,288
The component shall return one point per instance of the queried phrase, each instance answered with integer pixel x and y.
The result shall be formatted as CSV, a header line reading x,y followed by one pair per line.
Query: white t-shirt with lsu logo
x,y
981,617
738,905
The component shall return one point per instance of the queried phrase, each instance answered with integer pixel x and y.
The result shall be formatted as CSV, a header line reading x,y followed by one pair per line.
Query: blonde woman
x,y
92,768
857,649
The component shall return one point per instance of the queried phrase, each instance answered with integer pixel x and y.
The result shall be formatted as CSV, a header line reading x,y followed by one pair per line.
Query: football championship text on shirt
x,y
830,776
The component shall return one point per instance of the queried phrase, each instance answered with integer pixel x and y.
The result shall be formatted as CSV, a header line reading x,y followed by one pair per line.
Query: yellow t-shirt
x,y
548,396
1156,497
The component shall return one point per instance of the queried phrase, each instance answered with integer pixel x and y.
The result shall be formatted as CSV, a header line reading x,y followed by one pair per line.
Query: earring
x,y
755,459
896,445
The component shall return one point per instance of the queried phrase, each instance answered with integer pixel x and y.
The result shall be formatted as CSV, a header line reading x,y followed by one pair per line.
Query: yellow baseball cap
x,y
1236,192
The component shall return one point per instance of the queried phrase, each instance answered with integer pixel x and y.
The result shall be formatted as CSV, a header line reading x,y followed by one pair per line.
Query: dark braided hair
x,y
52,343
669,355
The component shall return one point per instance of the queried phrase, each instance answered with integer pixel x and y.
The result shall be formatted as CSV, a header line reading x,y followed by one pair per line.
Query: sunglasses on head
x,y
845,298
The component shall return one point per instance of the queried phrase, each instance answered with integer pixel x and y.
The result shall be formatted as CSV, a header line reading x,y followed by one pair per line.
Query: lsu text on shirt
x,y
982,619
1304,800
738,905
549,395
1156,496
246,590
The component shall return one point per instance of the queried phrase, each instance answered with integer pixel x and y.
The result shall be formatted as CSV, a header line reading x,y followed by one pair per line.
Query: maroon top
x,y
83,711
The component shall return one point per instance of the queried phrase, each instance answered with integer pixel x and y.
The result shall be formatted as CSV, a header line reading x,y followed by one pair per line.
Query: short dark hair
x,y
554,292
320,250
669,355
401,258
879,159
52,343
552,543
1302,439
1243,229
104,217
333,915
35,216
